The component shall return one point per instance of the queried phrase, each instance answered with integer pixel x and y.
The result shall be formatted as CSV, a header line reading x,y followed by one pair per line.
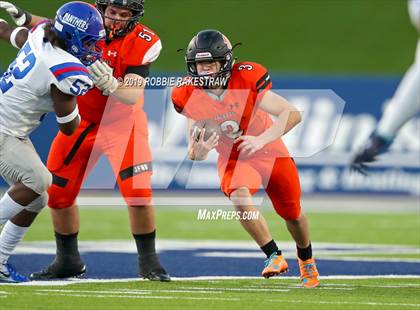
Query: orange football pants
x,y
279,177
71,158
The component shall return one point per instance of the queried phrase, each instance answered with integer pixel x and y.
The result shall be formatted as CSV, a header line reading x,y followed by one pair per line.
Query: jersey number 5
x,y
18,69
79,88
146,34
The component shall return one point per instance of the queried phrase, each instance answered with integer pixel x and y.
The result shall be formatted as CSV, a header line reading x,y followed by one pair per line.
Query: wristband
x,y
68,118
13,36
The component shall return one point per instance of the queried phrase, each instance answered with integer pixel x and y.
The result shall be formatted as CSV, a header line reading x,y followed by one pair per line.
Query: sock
x,y
306,253
66,244
148,260
270,248
145,243
10,236
8,208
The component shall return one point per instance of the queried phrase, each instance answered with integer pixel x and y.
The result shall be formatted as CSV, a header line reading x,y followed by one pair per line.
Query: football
x,y
210,126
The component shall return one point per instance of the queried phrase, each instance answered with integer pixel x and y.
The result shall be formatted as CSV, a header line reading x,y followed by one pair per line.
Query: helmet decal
x,y
79,25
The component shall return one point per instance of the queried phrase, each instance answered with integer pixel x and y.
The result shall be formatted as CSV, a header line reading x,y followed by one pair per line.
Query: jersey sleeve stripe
x,y
153,53
65,70
263,79
263,86
38,24
263,82
68,65
64,75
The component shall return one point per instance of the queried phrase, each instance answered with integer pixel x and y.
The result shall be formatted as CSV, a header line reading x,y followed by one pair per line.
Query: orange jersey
x,y
236,111
140,47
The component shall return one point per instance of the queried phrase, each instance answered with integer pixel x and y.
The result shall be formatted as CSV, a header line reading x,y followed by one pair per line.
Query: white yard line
x,y
128,246
131,291
346,287
236,289
138,296
345,303
324,255
206,278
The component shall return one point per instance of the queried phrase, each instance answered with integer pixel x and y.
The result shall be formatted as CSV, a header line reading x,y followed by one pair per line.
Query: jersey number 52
x,y
18,69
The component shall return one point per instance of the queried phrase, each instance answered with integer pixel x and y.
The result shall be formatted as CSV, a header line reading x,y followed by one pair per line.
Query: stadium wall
x,y
339,113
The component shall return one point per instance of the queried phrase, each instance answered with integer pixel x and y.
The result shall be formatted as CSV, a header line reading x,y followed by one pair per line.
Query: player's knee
x,y
289,211
60,202
59,198
38,204
241,197
39,181
137,197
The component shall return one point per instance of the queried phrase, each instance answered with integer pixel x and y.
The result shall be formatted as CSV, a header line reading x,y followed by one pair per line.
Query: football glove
x,y
103,78
375,146
19,16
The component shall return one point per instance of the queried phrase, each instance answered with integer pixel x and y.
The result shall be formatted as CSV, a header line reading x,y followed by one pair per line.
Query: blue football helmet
x,y
80,26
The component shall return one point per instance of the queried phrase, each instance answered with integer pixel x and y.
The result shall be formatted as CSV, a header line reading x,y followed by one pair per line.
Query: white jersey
x,y
25,87
414,12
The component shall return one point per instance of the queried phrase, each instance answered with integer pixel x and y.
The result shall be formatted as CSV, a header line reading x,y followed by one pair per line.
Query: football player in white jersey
x,y
47,75
403,106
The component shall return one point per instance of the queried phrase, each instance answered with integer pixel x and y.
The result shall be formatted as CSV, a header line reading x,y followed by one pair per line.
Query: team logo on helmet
x,y
203,55
72,20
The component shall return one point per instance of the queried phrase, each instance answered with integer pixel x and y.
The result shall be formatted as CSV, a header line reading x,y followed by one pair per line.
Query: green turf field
x,y
351,293
219,294
97,223
104,224
287,36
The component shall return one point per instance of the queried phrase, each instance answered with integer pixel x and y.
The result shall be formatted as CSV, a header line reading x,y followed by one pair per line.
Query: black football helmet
x,y
136,6
210,45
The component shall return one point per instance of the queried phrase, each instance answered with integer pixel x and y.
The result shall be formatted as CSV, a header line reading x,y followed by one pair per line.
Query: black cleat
x,y
151,269
61,268
156,275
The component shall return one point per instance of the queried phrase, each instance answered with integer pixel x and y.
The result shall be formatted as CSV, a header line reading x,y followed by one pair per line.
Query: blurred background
x,y
339,61
358,49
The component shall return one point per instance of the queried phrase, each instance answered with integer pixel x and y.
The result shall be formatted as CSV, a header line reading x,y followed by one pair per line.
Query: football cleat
x,y
9,274
151,269
159,274
375,146
309,275
274,265
61,268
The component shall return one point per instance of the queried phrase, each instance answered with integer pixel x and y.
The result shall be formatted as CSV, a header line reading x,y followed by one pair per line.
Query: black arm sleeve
x,y
142,70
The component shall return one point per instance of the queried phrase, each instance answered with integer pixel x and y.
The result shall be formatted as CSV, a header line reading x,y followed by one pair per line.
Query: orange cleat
x,y
308,273
274,265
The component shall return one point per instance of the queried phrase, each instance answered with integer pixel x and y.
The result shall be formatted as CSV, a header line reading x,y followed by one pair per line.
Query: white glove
x,y
102,76
19,16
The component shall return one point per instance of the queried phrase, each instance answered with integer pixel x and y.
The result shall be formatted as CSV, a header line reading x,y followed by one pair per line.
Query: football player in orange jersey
x,y
113,123
251,152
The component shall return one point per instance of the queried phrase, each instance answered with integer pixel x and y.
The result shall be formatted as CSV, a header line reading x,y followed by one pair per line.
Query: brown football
x,y
210,126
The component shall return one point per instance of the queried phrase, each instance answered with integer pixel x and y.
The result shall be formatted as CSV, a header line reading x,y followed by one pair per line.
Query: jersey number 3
x,y
18,69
